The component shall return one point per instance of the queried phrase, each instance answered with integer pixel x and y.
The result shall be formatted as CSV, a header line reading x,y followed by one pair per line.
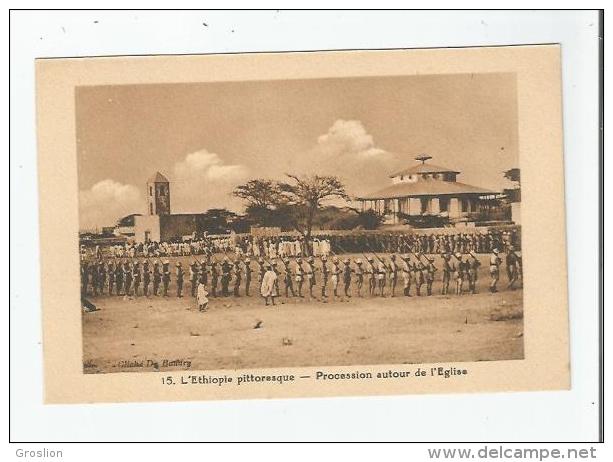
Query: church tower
x,y
158,195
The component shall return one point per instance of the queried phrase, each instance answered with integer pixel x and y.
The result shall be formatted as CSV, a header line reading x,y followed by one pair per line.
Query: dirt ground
x,y
157,333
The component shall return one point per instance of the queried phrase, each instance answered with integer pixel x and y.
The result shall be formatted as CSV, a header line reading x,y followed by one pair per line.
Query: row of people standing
x,y
153,249
430,243
373,275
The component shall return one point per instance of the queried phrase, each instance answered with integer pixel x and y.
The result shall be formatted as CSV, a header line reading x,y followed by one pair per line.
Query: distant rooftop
x,y
158,178
423,167
425,188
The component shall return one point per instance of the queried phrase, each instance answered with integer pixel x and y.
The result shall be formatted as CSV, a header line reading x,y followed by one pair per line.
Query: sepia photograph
x,y
302,224
299,222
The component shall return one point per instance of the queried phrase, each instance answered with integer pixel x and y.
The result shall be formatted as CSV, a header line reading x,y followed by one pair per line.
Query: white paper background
x,y
544,416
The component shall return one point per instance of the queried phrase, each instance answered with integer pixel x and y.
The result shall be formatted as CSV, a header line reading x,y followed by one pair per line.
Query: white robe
x,y
268,283
202,295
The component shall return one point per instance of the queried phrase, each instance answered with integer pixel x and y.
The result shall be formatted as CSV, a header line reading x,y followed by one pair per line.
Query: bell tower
x,y
158,195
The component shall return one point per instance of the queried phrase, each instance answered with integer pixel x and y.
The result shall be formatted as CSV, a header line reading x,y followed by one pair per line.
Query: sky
x,y
207,138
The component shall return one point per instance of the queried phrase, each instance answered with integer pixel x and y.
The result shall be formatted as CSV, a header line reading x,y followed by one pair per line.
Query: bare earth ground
x,y
136,335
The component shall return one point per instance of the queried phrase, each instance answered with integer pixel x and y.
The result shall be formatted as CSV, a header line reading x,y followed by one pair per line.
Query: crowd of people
x,y
169,249
409,268
321,244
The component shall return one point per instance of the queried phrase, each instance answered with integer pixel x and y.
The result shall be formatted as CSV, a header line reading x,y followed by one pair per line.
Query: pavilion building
x,y
426,189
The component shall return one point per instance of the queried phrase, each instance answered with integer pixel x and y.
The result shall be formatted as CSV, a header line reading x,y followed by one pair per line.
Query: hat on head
x,y
495,250
458,255
346,261
358,261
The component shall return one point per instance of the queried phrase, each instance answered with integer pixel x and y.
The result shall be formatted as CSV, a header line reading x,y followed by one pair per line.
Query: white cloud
x,y
350,152
202,180
107,201
207,166
349,137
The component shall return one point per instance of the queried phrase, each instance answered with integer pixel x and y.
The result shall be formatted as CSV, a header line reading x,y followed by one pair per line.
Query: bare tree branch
x,y
307,193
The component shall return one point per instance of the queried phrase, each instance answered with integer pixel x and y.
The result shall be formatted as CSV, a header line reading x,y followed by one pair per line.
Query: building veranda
x,y
429,195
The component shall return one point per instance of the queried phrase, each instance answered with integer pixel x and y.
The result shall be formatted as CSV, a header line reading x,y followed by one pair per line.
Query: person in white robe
x,y
272,250
316,251
267,290
202,297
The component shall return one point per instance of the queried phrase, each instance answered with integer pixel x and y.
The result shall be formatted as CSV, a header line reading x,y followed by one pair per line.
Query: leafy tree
x,y
216,221
304,196
513,175
514,194
369,219
259,193
263,198
347,218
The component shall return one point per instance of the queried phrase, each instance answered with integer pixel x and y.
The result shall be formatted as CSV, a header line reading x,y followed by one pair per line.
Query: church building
x,y
427,190
159,223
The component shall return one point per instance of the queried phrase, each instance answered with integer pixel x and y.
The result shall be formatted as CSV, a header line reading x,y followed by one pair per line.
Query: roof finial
x,y
423,158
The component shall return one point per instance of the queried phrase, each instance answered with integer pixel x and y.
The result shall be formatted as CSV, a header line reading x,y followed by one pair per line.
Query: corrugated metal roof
x,y
158,178
425,188
424,168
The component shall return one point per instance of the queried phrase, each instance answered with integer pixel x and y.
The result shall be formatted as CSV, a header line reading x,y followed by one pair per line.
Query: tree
x,y
259,193
514,194
304,197
263,198
369,219
347,218
215,221
513,175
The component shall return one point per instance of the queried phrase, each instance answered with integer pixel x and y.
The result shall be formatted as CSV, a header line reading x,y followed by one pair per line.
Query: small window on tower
x,y
150,209
151,190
